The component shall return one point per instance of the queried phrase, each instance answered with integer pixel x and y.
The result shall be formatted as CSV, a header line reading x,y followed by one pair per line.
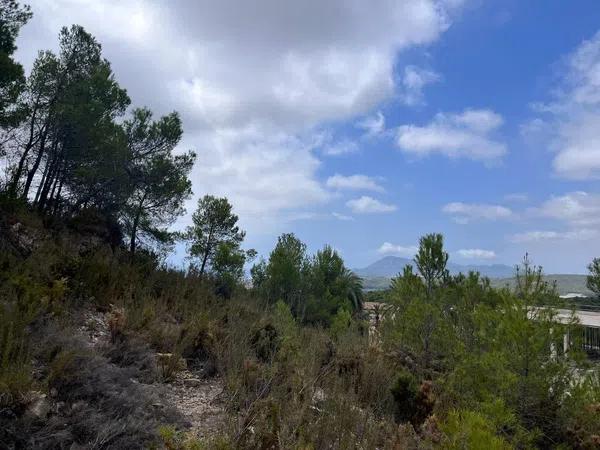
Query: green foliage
x,y
285,272
258,274
431,260
580,414
405,287
29,289
159,183
495,353
405,392
73,153
593,279
469,429
12,80
228,267
494,373
172,439
341,322
213,224
330,276
315,288
72,139
15,370
463,367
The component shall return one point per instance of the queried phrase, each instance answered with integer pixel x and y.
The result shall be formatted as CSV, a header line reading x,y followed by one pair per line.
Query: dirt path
x,y
200,401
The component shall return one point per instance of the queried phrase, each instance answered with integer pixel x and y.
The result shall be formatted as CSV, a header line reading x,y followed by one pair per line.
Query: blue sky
x,y
501,56
367,124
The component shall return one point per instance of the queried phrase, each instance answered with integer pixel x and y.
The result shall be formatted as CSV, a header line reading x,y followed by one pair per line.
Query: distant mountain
x,y
390,266
386,267
379,274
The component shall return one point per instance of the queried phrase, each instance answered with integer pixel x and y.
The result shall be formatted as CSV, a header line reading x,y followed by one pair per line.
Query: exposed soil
x,y
199,400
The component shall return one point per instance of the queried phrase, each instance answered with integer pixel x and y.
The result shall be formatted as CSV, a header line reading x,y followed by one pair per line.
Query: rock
x,y
61,408
78,405
318,396
39,408
192,382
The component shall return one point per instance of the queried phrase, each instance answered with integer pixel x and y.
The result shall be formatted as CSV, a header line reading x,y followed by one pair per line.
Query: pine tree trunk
x,y
136,222
48,184
203,266
57,200
30,143
36,165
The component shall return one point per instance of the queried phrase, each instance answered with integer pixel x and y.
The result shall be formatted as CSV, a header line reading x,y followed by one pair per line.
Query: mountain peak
x,y
390,266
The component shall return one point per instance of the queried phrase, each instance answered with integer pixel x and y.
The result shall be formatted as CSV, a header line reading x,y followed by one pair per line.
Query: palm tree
x,y
330,274
353,288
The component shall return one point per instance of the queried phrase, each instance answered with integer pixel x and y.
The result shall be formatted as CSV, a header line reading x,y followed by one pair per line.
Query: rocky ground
x,y
199,400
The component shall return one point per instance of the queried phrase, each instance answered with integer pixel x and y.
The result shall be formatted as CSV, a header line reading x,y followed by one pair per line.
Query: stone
x,y
318,396
192,382
39,407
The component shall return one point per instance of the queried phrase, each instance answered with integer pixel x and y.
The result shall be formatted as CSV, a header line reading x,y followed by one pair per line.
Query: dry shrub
x,y
117,322
133,353
169,364
94,403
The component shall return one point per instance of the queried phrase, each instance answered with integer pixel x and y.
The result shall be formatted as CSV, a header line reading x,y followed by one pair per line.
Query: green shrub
x,y
405,392
15,370
341,322
468,429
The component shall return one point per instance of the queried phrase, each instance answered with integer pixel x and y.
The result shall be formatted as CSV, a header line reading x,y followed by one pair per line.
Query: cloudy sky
x,y
364,124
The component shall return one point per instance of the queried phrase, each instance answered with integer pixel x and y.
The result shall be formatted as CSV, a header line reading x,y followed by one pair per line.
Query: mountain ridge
x,y
390,266
378,275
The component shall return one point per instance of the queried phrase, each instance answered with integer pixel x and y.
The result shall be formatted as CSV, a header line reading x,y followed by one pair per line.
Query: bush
x,y
15,370
468,429
405,392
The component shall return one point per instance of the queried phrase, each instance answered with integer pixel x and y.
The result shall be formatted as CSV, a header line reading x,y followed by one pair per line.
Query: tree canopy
x,y
213,224
12,78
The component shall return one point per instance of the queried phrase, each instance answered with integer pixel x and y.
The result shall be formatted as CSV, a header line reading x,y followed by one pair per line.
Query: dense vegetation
x,y
91,188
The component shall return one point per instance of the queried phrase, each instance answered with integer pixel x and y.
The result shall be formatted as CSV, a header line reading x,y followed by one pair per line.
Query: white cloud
x,y
353,182
579,148
366,205
341,147
476,253
373,125
533,128
252,80
481,120
413,82
388,248
258,178
467,212
538,236
572,126
578,209
343,217
464,135
578,213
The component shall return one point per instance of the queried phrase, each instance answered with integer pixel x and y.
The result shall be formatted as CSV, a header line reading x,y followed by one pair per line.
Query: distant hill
x,y
565,283
379,274
390,266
